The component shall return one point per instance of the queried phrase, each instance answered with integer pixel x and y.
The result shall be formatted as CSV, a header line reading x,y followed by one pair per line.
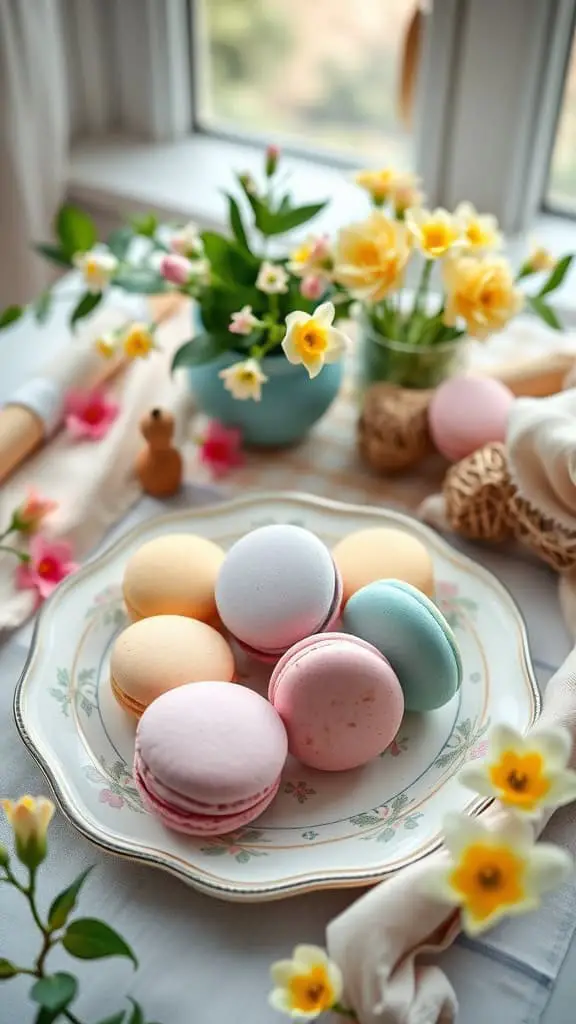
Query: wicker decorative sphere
x,y
476,492
552,542
393,427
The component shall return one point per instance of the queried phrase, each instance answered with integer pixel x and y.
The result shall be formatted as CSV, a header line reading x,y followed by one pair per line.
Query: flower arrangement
x,y
415,337
41,562
83,938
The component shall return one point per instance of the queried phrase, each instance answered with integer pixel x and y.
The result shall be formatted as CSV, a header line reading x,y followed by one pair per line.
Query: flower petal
x,y
460,830
337,345
554,744
475,777
297,317
336,980
549,867
435,883
514,832
279,999
290,351
314,366
562,789
309,956
282,972
324,314
504,737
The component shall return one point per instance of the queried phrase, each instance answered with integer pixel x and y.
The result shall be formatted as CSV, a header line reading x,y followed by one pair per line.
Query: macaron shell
x,y
339,699
467,412
277,585
380,553
402,623
212,743
156,654
173,575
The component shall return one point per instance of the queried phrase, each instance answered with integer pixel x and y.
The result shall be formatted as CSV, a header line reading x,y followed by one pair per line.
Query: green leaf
x,y
75,229
7,969
285,221
10,315
90,939
65,902
544,311
136,1017
556,276
262,215
55,992
119,242
41,308
201,349
142,281
87,303
53,253
145,224
236,223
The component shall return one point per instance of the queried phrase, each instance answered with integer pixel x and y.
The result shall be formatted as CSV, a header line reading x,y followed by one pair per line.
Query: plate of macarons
x,y
272,695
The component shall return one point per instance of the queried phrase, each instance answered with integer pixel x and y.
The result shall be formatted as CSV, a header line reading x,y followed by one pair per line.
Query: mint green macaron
x,y
411,632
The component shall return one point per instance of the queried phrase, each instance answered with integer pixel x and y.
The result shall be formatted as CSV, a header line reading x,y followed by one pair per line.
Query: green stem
x,y
72,1017
344,1011
274,309
421,293
20,555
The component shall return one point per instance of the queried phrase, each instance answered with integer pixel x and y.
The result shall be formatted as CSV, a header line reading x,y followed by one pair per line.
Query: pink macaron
x,y
277,585
339,699
466,412
208,757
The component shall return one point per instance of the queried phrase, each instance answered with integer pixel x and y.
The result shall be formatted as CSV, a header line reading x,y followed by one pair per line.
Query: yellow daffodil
x,y
385,183
371,256
526,773
244,380
540,259
311,340
307,985
97,266
480,230
272,278
106,345
138,341
481,292
493,873
29,817
436,232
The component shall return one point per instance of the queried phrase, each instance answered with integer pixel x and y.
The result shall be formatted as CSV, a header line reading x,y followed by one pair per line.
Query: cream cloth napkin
x,y
94,482
378,940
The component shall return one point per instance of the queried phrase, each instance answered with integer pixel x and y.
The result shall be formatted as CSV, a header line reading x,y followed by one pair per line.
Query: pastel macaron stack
x,y
173,575
277,585
411,631
209,757
157,654
377,553
339,699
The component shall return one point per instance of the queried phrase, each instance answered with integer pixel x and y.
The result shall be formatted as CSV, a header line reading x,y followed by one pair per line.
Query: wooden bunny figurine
x,y
159,463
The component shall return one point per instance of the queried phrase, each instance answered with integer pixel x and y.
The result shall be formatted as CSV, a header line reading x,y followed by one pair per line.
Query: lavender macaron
x,y
277,585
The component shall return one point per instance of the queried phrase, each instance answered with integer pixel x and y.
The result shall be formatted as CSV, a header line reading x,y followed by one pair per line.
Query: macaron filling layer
x,y
136,707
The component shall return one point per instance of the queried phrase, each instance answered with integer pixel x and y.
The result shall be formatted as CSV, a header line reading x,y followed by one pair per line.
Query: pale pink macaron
x,y
466,412
339,699
208,757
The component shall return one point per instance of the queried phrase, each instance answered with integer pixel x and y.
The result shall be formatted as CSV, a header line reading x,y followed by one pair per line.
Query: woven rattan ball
x,y
393,427
476,491
553,543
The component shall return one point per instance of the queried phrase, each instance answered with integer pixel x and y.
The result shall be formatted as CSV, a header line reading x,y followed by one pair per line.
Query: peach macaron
x,y
173,575
382,552
158,654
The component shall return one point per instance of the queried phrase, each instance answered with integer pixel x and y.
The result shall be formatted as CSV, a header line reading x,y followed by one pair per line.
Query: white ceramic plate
x,y
324,830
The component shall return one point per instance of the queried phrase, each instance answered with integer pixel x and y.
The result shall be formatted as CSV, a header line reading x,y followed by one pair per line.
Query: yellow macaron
x,y
379,553
157,654
173,575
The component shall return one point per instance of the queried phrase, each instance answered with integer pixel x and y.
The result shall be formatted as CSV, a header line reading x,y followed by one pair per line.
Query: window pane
x,y
322,73
562,184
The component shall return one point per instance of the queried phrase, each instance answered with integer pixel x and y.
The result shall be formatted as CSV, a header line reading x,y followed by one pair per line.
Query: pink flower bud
x,y
313,286
175,268
272,157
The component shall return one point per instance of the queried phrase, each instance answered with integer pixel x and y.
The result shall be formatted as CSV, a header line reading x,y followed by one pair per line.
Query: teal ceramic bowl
x,y
410,631
291,403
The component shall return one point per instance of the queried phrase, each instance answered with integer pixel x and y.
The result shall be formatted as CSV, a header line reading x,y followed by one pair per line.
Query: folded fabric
x,y
377,942
94,482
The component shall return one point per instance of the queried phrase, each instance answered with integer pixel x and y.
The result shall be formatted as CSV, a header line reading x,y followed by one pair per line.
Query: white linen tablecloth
x,y
206,962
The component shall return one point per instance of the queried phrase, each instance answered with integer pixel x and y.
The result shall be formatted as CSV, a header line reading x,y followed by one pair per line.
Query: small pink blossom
x,y
50,562
313,286
110,798
176,268
220,449
272,157
243,322
320,250
89,414
33,510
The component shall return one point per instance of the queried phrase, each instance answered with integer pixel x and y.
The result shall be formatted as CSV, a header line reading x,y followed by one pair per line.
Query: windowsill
x,y
187,179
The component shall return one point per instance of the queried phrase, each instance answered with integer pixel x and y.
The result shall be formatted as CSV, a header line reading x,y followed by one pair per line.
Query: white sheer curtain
x,y
34,127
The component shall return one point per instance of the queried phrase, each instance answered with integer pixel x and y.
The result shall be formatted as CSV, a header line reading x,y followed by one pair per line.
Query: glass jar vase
x,y
408,364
